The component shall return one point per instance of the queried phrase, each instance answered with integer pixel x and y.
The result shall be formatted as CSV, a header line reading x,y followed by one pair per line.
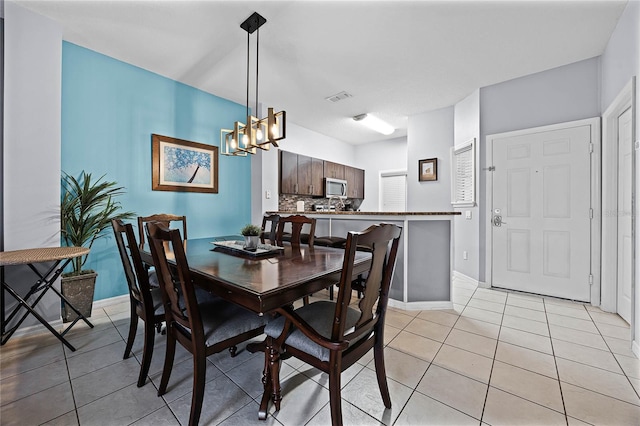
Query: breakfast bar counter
x,y
422,278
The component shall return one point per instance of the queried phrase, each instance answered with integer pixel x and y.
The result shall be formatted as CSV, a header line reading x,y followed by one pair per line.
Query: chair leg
x,y
331,292
133,327
274,371
378,356
335,400
305,300
168,363
199,373
147,352
233,351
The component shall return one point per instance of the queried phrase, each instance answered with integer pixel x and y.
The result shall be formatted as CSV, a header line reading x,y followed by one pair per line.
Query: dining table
x,y
263,282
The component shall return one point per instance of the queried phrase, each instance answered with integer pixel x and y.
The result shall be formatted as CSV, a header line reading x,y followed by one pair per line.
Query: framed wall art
x,y
179,165
428,169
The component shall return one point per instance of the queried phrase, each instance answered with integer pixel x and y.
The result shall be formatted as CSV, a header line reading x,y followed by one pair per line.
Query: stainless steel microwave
x,y
335,188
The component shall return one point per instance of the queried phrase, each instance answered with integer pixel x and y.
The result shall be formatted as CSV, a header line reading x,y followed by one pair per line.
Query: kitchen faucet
x,y
339,204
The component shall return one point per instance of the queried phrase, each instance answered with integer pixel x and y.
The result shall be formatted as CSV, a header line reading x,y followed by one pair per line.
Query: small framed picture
x,y
428,169
179,165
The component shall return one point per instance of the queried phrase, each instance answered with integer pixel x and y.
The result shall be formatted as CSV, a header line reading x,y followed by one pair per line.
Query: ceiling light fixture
x,y
255,133
374,123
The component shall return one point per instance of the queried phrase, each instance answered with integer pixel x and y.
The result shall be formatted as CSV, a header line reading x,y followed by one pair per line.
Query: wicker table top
x,y
36,255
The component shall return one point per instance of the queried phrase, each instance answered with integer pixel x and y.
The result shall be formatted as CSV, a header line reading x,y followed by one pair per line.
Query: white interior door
x,y
625,240
541,217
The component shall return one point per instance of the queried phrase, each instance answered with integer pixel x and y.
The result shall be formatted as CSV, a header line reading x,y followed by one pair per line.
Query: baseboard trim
x,y
460,276
420,306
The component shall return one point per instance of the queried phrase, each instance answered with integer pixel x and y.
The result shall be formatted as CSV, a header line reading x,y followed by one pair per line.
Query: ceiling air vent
x,y
339,96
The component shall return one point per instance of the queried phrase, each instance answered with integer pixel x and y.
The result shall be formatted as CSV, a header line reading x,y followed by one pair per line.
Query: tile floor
x,y
497,358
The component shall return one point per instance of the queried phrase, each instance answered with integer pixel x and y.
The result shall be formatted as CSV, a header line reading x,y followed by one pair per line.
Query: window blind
x,y
463,168
393,197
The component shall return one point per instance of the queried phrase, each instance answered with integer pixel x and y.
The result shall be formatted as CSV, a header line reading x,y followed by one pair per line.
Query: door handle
x,y
497,221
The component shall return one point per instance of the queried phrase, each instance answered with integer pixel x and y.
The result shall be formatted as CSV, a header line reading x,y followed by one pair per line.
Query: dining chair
x,y
297,223
332,336
269,233
146,301
164,219
202,327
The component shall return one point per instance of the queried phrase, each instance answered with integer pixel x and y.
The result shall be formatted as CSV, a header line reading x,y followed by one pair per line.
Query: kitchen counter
x,y
424,266
358,213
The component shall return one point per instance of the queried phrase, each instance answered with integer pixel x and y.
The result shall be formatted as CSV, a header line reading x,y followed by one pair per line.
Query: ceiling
x,y
397,58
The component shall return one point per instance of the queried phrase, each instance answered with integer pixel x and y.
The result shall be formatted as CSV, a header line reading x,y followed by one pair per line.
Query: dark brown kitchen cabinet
x,y
333,170
300,174
355,182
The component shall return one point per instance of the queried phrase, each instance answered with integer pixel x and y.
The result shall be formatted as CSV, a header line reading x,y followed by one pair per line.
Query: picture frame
x,y
428,169
183,166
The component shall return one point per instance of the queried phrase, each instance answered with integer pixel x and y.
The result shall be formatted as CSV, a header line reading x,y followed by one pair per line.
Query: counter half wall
x,y
423,273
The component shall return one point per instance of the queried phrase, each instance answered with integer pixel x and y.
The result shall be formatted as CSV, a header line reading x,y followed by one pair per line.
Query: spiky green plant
x,y
250,230
86,210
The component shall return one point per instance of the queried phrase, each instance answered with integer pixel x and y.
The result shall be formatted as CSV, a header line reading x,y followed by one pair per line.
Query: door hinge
x,y
590,147
590,279
590,213
490,168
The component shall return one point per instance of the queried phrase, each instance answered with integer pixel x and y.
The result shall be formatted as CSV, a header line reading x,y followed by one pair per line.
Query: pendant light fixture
x,y
255,133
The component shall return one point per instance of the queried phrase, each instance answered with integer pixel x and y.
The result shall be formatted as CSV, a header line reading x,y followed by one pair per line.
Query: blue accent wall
x,y
109,111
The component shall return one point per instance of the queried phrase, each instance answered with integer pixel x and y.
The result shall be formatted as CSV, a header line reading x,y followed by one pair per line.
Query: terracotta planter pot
x,y
79,290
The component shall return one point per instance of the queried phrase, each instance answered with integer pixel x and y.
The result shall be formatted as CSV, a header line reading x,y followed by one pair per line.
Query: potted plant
x,y
86,209
251,235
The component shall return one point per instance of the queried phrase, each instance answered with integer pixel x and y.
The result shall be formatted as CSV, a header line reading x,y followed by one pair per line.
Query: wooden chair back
x,y
297,222
269,232
163,218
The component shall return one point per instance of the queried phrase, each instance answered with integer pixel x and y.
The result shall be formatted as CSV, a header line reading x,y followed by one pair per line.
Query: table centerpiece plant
x,y
86,209
251,235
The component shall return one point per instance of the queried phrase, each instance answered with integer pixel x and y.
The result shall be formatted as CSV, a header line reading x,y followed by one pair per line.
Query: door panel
x,y
542,195
625,255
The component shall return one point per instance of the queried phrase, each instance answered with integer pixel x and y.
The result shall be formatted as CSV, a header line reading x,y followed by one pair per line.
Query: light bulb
x,y
233,144
274,131
245,140
259,134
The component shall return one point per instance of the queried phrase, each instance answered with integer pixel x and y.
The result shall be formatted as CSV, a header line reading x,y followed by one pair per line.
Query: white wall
x,y
466,231
430,135
376,157
620,62
31,151
566,93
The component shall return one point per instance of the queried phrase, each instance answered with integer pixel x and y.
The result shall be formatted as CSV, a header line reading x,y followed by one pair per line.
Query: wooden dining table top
x,y
262,284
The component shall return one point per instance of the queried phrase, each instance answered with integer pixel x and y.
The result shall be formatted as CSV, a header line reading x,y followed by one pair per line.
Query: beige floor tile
x,y
401,367
455,390
563,302
39,407
530,314
472,365
597,380
598,409
630,366
575,422
608,318
490,295
22,385
567,311
459,282
586,355
390,333
615,331
619,346
472,342
428,329
525,296
635,383
525,384
503,408
23,361
443,317
458,308
351,415
570,322
528,359
482,315
486,305
482,328
460,298
523,324
526,340
438,413
520,302
418,346
397,319
363,392
577,336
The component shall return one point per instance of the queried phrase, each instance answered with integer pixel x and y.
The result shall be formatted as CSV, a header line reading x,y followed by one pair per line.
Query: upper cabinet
x,y
300,174
303,175
333,170
355,182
